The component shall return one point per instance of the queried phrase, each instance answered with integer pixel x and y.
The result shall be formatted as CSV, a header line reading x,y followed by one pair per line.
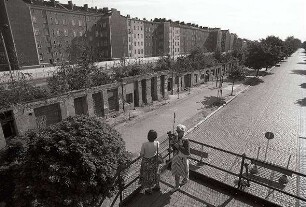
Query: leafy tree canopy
x,y
72,163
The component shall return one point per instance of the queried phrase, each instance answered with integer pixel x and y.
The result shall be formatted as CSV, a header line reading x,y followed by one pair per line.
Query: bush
x,y
19,90
72,163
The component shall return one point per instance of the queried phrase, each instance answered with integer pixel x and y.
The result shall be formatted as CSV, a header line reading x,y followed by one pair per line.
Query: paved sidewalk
x,y
189,110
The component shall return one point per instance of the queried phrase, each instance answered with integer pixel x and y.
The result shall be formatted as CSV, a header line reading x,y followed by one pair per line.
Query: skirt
x,y
149,172
180,166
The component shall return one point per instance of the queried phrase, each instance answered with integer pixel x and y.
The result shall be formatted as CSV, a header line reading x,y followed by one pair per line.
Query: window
x,y
134,35
134,27
34,20
129,22
129,39
129,98
135,43
141,43
36,32
97,33
41,57
56,21
141,51
66,32
135,52
58,33
80,23
138,35
64,21
104,25
74,34
73,22
138,51
141,28
38,43
138,44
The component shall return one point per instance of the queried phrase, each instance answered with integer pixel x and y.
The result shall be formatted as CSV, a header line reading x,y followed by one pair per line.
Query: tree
x,y
256,57
304,45
291,44
237,73
72,163
274,49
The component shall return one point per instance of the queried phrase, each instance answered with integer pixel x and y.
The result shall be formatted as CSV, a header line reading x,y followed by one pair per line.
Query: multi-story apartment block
x,y
174,40
213,42
47,32
233,41
153,36
42,33
136,38
226,40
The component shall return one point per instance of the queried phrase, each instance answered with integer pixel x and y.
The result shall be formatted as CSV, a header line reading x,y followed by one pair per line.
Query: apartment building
x,y
49,30
225,41
213,42
136,38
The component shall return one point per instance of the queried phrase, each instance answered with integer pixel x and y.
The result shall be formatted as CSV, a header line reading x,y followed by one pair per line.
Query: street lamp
x,y
5,26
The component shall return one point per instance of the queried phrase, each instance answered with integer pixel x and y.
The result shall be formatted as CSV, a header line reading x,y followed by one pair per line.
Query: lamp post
x,y
5,50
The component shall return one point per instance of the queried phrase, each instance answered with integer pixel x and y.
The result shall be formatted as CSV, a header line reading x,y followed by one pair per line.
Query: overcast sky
x,y
251,19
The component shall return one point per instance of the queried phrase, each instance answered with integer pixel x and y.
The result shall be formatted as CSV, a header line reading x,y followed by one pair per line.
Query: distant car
x,y
277,65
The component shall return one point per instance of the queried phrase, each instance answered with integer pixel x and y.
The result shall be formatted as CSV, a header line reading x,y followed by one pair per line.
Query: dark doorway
x,y
113,103
47,115
187,80
8,124
170,84
144,91
154,88
162,85
136,94
98,104
80,105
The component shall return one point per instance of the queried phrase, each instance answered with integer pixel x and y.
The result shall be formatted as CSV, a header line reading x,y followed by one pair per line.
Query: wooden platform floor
x,y
193,194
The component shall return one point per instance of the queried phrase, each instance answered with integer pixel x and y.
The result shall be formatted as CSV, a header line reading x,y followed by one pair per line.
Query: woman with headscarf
x,y
181,152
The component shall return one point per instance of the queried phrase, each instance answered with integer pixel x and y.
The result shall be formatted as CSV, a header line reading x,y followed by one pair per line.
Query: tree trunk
x,y
232,88
257,72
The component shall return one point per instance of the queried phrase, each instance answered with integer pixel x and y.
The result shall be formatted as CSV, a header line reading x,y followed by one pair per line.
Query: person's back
x,y
149,149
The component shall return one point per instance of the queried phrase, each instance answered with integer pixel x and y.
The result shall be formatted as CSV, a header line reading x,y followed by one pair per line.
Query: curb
x,y
212,113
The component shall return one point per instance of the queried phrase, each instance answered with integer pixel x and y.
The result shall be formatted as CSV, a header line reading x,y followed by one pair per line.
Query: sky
x,y
251,19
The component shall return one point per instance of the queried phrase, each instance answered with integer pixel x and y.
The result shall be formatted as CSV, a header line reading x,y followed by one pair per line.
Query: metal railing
x,y
255,176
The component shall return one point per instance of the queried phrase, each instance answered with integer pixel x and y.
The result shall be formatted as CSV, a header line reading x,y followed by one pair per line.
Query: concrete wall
x,y
26,119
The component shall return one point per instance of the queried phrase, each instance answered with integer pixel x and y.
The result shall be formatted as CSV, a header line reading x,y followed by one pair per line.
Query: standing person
x,y
180,163
149,170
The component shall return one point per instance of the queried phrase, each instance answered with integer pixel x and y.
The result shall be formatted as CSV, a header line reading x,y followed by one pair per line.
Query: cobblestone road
x,y
276,105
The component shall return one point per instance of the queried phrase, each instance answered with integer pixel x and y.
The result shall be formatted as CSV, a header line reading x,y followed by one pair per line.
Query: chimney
x,y
52,3
96,8
86,7
128,16
70,5
105,9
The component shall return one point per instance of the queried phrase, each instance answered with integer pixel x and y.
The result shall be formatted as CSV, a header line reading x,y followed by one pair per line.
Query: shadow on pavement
x,y
301,63
301,102
299,72
213,101
303,85
253,81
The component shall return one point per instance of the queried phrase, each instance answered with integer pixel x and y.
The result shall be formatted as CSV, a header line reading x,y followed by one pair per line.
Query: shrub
x,y
72,163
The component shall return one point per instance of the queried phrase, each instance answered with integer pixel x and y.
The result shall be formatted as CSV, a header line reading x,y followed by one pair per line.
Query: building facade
x,y
51,33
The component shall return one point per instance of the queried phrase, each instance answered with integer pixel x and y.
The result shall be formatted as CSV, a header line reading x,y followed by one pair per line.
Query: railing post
x,y
241,170
120,186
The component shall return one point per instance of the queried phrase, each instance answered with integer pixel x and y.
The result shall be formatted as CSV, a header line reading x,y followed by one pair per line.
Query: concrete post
x,y
2,139
90,104
148,90
105,102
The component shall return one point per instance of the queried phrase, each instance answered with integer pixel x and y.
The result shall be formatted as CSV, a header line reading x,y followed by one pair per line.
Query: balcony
x,y
217,178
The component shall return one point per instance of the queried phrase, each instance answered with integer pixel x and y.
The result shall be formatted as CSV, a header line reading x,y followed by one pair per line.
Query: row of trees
x,y
269,51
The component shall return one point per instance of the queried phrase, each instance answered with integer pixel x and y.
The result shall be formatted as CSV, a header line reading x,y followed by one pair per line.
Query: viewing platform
x,y
217,178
